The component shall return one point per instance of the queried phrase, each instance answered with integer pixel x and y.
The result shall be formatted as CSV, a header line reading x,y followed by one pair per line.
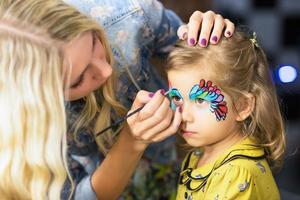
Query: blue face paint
x,y
204,91
175,98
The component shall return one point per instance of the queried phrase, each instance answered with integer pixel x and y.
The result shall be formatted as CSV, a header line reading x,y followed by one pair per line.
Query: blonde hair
x,y
65,23
239,66
32,120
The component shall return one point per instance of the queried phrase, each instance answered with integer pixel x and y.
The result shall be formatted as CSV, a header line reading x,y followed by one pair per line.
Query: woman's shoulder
x,y
108,12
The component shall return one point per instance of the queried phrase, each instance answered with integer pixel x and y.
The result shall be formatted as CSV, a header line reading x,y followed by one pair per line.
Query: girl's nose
x,y
186,112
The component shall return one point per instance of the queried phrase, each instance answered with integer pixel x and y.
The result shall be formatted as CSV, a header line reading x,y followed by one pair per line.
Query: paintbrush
x,y
119,121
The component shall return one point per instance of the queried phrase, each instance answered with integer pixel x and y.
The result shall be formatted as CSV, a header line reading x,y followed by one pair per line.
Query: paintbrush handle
x,y
124,118
119,121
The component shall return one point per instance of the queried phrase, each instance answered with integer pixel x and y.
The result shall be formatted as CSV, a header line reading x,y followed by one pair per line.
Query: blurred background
x,y
277,24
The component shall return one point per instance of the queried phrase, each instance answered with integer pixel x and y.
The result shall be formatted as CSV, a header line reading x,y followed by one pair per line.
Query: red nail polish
x,y
162,91
228,33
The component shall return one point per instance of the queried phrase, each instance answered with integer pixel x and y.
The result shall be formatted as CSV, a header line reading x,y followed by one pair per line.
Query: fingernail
x,y
228,33
203,42
215,39
180,109
192,41
151,95
162,91
184,36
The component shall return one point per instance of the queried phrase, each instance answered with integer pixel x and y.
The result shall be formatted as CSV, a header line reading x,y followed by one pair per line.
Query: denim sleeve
x,y
84,190
164,24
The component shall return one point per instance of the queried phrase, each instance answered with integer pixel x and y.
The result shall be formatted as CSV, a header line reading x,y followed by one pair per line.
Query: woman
x,y
32,119
92,99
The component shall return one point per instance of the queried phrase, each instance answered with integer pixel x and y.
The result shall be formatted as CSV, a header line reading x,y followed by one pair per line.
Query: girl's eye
x,y
176,98
199,101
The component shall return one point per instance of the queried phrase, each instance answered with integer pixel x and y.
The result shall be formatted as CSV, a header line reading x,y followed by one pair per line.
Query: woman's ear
x,y
245,106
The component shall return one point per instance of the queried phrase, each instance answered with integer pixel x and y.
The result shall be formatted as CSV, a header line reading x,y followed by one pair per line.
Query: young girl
x,y
231,118
100,167
32,119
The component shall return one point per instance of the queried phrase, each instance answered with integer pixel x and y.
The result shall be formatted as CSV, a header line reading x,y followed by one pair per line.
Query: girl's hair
x,y
239,66
32,121
65,23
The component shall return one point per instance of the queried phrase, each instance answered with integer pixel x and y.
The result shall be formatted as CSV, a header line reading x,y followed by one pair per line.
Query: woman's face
x,y
85,66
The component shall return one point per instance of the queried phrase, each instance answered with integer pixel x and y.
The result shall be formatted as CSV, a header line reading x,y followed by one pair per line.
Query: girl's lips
x,y
187,133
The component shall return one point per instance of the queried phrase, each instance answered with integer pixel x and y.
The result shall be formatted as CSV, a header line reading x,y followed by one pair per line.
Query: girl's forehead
x,y
187,78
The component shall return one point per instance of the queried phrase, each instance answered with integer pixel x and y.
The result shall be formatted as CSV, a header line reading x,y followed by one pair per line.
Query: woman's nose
x,y
101,70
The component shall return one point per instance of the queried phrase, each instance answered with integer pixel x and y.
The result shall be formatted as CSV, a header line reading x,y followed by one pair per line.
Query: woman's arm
x,y
155,122
111,177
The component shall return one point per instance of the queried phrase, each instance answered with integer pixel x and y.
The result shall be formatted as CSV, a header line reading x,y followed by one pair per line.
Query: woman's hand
x,y
210,26
156,121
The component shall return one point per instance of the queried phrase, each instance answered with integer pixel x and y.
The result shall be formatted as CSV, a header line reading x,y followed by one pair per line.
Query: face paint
x,y
175,97
212,94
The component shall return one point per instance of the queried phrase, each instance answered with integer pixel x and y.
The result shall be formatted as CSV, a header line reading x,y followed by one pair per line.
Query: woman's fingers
x,y
155,121
171,130
182,32
204,28
152,106
142,97
138,122
159,124
218,29
229,28
194,26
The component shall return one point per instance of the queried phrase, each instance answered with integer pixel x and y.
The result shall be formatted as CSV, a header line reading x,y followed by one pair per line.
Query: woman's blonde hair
x,y
65,23
239,67
32,119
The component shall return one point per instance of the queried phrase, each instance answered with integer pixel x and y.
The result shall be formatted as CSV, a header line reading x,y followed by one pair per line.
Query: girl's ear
x,y
245,106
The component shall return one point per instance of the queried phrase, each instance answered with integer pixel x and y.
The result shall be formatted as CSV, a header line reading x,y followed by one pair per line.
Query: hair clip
x,y
253,40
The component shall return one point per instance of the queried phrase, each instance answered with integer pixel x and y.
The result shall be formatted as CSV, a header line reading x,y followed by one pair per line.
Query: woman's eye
x,y
80,81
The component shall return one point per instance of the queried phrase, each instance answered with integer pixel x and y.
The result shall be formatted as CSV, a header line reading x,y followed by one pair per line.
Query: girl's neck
x,y
213,151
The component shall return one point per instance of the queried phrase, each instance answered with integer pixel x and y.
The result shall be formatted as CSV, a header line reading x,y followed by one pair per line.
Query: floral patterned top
x,y
136,31
241,172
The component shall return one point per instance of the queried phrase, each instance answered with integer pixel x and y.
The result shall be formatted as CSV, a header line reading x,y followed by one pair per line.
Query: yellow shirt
x,y
240,173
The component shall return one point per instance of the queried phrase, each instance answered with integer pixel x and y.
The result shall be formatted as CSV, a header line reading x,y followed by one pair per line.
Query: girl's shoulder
x,y
245,169
243,178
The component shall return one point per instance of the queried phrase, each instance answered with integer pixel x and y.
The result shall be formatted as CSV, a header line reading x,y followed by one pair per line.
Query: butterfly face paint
x,y
175,97
207,92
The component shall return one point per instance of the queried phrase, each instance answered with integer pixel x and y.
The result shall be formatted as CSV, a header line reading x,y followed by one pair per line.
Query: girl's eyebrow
x,y
198,92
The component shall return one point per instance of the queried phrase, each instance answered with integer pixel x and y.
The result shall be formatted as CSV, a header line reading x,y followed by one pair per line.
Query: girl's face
x,y
207,114
85,65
